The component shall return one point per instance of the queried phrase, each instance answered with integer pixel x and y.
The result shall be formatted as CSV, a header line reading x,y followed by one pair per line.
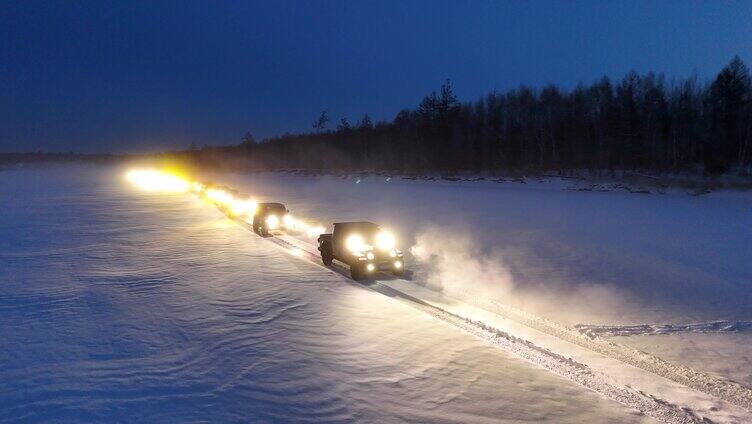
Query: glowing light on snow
x,y
315,231
293,224
152,180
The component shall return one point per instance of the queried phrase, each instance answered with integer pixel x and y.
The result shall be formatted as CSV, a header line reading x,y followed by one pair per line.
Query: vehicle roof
x,y
271,206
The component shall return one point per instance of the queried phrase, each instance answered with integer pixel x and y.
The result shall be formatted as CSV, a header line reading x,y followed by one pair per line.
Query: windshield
x,y
366,230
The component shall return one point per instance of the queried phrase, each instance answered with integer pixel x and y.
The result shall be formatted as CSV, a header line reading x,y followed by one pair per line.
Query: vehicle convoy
x,y
364,246
269,217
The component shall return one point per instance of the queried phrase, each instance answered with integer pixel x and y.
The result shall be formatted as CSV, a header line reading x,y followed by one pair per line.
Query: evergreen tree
x,y
320,123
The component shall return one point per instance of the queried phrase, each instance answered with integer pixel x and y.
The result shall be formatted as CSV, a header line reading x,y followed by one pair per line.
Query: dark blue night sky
x,y
142,76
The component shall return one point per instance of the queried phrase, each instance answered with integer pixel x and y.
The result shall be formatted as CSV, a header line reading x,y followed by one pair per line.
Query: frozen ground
x,y
606,258
120,306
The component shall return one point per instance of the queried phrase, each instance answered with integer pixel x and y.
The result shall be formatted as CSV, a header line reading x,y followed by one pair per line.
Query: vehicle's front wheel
x,y
327,257
357,272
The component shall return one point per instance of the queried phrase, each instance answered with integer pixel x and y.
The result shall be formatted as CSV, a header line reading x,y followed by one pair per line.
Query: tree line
x,y
641,122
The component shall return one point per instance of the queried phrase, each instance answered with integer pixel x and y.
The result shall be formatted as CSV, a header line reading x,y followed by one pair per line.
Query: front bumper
x,y
382,262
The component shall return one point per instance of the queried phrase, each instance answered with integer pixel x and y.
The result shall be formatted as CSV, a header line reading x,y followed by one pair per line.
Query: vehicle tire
x,y
356,272
326,253
256,226
398,272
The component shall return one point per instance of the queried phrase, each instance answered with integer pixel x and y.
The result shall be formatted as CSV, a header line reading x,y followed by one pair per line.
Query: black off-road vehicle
x,y
269,217
364,246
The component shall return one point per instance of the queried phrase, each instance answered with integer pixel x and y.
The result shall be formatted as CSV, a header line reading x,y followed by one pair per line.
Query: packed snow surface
x,y
578,258
124,305
117,305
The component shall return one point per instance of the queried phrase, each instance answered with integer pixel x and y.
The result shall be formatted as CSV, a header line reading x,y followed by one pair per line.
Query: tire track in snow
x,y
727,390
720,326
564,367
553,362
711,385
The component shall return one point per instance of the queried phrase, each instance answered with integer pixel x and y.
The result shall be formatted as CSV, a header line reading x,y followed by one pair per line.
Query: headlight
x,y
370,267
397,264
272,222
369,256
385,240
355,243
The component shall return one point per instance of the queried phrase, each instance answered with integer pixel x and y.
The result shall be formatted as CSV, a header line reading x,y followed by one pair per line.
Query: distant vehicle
x,y
241,206
269,217
364,246
202,187
222,196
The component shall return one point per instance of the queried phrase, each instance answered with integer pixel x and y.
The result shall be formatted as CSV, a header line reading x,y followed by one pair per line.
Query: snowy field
x,y
116,305
574,257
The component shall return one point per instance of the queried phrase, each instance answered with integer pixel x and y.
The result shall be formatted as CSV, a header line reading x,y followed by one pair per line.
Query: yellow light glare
x,y
152,180
243,207
385,240
219,196
197,187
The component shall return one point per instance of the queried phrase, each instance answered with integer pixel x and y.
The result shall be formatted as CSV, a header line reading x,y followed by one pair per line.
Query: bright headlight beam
x,y
243,207
314,232
356,243
385,240
152,180
272,222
